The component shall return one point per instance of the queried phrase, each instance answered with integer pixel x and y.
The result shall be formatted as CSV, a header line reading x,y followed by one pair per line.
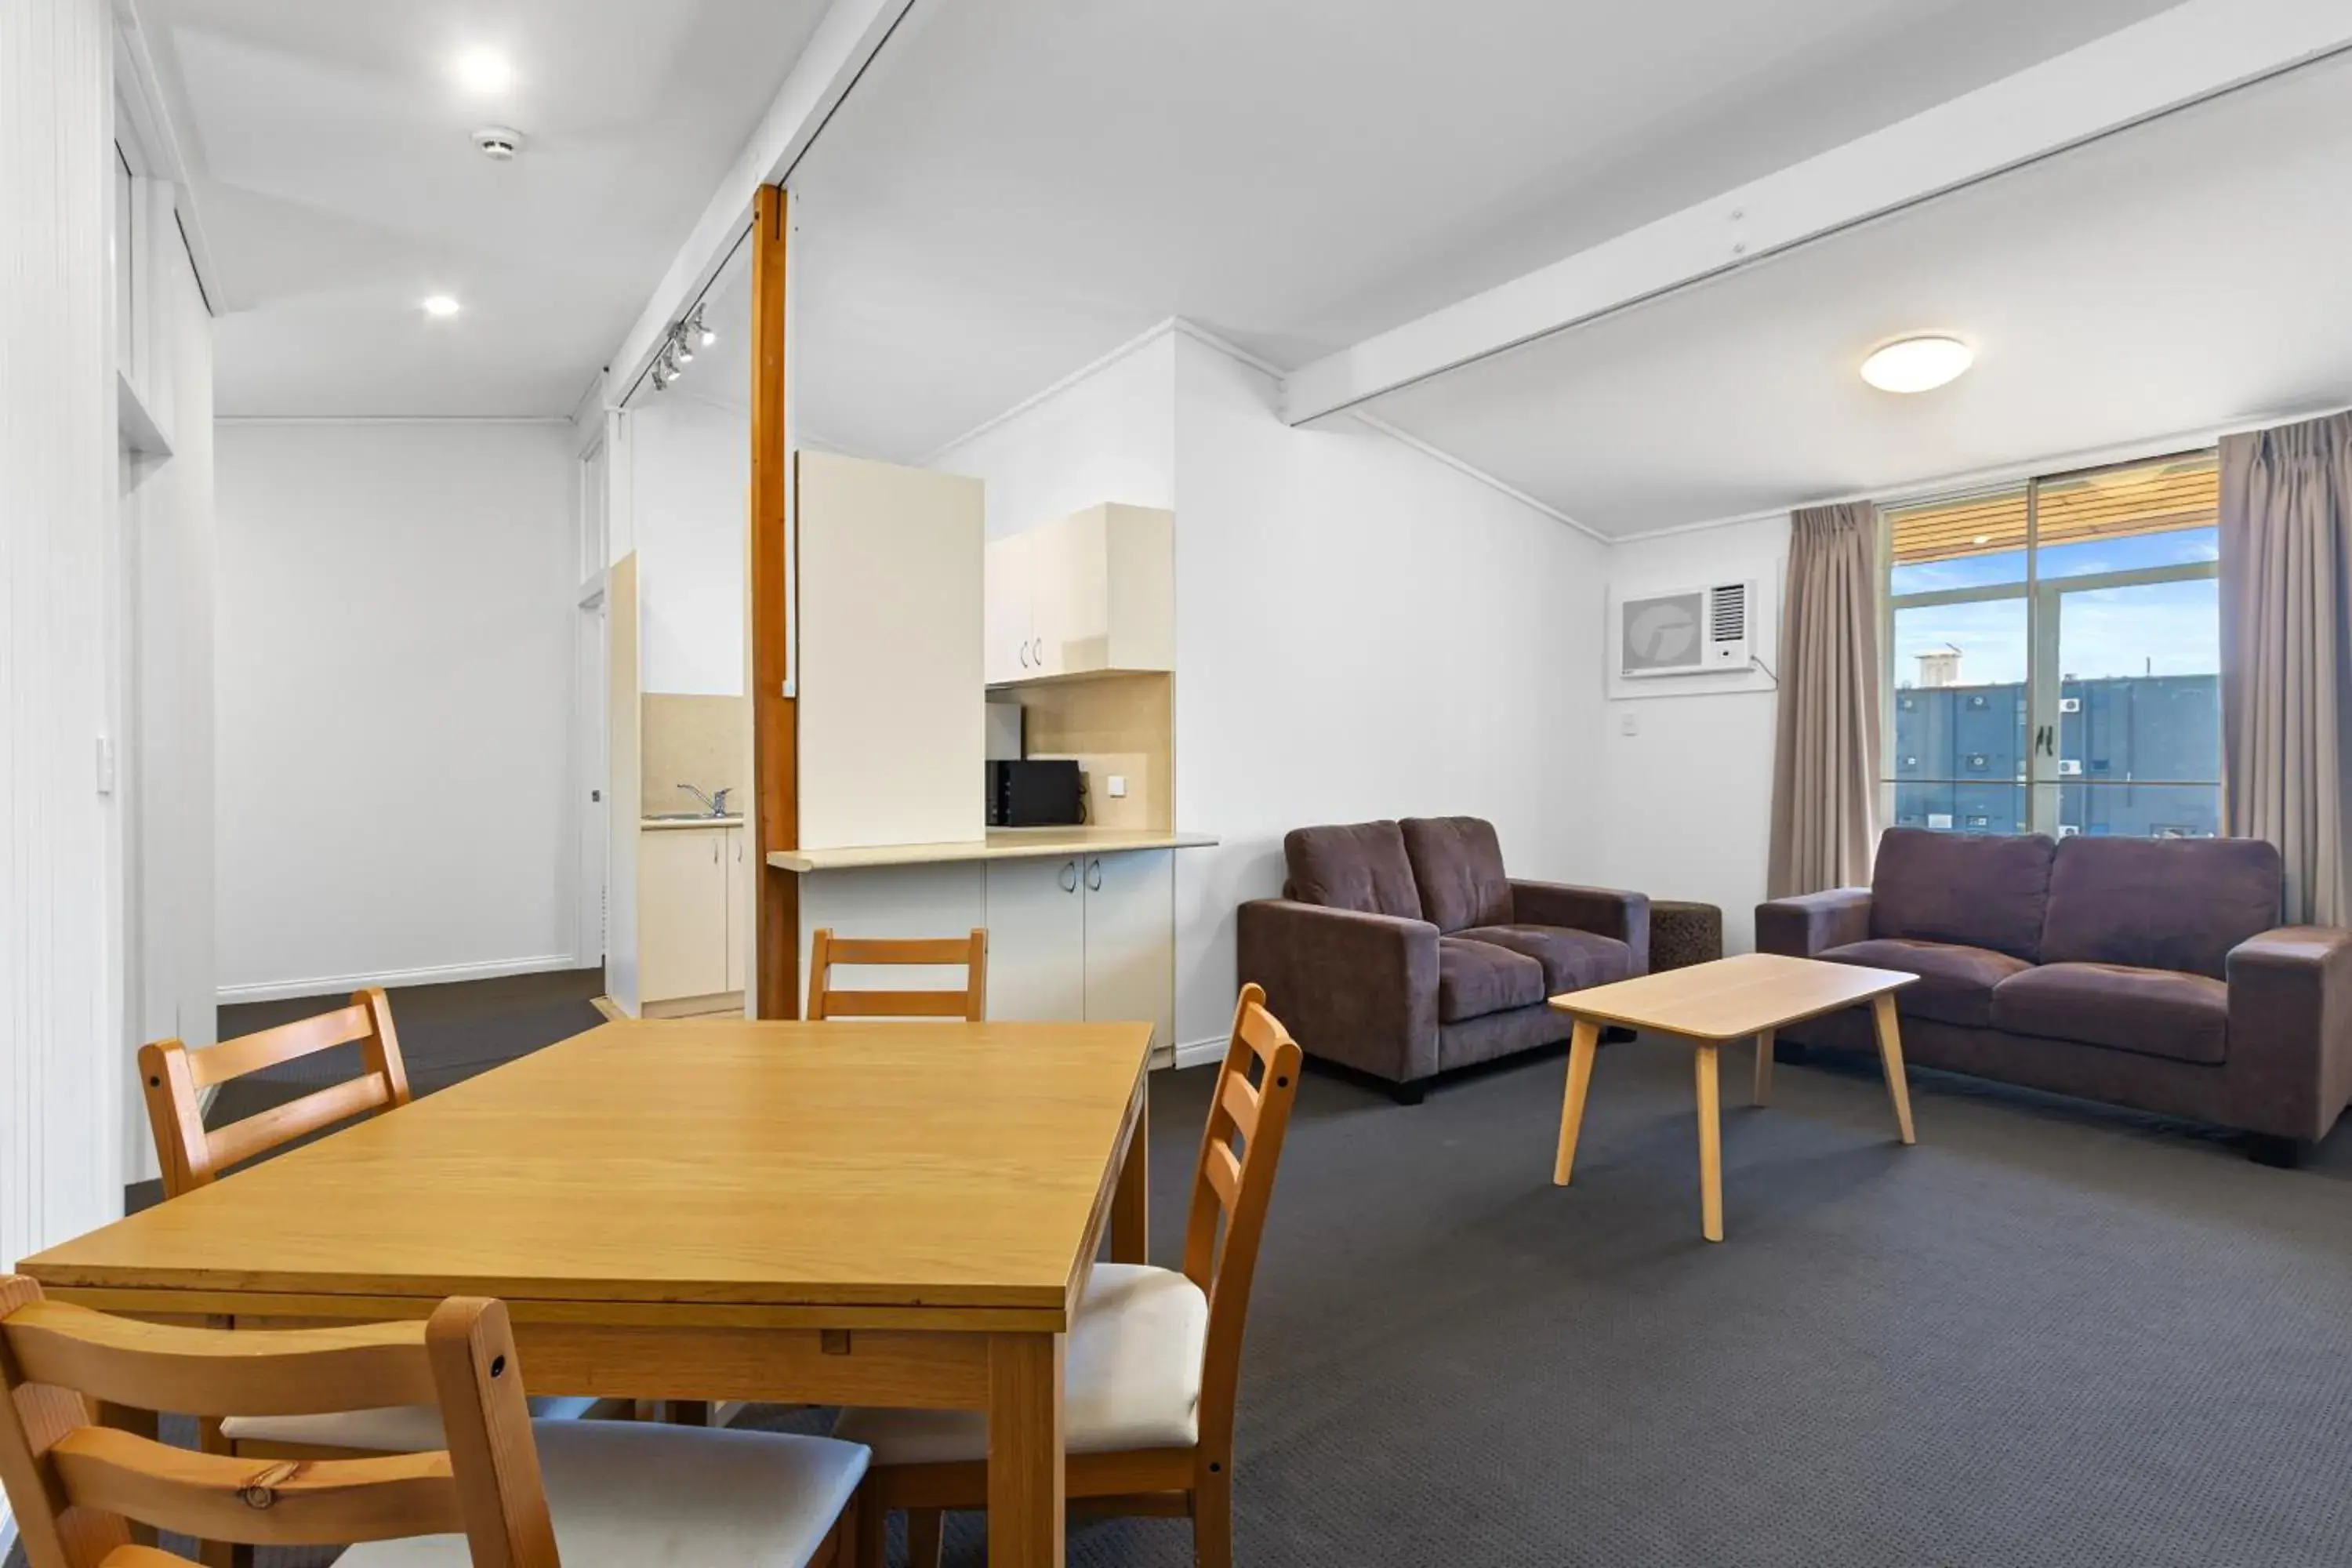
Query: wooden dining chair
x,y
827,950
1152,1362
175,1079
498,1496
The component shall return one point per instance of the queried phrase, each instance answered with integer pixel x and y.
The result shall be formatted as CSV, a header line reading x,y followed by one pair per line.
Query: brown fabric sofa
x,y
1404,950
2146,972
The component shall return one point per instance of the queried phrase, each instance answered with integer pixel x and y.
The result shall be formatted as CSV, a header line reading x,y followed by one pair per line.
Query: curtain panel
x,y
2286,652
1825,752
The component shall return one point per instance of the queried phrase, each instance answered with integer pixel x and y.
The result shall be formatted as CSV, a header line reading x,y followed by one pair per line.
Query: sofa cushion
x,y
2155,1012
1974,890
1360,867
1458,865
1956,983
2160,903
1571,960
1475,978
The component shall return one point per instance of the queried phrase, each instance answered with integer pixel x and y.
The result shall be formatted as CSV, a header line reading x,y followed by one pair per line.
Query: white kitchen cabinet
x,y
738,909
1131,963
1092,592
1084,936
1008,619
682,913
1037,938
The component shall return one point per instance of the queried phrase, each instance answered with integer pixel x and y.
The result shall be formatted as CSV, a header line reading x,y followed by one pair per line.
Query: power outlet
x,y
1118,786
1629,724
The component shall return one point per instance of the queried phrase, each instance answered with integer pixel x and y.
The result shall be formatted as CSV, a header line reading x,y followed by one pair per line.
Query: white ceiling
x,y
337,184
1017,186
2184,276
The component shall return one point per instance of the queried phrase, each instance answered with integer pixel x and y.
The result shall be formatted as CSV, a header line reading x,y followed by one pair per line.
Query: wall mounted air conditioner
x,y
1689,631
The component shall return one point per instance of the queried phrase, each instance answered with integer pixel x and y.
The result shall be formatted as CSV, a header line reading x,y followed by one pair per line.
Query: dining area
x,y
494,1323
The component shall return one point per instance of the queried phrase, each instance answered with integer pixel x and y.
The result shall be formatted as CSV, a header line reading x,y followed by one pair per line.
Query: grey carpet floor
x,y
2048,1334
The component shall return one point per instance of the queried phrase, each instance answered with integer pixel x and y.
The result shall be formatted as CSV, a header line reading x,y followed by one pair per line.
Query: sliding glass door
x,y
2053,653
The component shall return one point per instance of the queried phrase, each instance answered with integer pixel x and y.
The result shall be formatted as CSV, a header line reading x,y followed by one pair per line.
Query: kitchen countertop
x,y
1002,844
654,824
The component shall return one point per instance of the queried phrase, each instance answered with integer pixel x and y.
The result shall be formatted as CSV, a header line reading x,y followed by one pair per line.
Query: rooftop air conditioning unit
x,y
1690,631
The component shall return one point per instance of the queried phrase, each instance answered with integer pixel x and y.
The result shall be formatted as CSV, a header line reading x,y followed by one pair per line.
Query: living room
x,y
1551,785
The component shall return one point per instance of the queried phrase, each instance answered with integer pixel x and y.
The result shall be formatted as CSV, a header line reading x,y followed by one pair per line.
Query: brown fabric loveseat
x,y
2146,972
1403,949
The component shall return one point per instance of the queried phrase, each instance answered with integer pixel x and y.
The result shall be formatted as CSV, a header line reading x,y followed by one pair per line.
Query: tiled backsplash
x,y
702,740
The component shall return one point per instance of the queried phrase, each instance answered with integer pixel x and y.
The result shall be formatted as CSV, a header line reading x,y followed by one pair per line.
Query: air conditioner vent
x,y
1728,610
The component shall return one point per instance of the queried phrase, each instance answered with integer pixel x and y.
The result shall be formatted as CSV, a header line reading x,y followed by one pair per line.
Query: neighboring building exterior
x,y
1960,757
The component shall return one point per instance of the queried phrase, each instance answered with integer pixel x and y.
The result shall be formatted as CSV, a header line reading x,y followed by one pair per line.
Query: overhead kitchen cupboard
x,y
1086,593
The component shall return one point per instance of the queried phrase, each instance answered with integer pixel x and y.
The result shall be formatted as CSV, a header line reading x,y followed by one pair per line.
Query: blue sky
x,y
2164,628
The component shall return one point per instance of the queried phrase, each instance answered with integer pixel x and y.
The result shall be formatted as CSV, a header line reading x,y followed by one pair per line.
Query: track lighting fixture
x,y
699,330
665,368
681,343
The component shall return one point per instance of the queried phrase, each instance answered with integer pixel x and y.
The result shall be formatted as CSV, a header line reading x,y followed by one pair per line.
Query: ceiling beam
x,y
848,36
2187,55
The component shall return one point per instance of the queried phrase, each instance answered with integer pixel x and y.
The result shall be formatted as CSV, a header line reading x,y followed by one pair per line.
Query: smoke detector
x,y
497,143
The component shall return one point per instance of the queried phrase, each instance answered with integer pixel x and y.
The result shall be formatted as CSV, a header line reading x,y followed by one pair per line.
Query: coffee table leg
x,y
1583,1045
1710,1145
1764,1066
1890,1056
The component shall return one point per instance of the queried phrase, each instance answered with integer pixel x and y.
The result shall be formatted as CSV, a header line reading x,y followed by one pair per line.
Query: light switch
x,y
1118,786
1629,723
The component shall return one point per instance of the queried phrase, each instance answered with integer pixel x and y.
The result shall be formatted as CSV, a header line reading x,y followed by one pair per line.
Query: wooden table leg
x,y
1130,1203
1025,1493
1710,1144
1583,1045
1890,1056
1764,1066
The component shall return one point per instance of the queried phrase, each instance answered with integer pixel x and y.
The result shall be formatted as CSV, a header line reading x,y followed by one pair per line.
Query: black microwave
x,y
1042,792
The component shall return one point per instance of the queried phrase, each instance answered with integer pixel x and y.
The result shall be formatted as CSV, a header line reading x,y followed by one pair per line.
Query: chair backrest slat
x,y
175,1077
826,950
76,1487
1240,1150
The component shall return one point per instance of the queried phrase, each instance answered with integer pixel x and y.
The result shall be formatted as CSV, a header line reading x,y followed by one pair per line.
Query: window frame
x,y
2044,676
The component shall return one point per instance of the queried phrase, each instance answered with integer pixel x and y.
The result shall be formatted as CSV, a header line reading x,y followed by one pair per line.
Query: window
x,y
2054,655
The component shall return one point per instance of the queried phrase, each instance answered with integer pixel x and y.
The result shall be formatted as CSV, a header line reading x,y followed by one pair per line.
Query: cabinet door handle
x,y
1069,877
1093,876
1025,656
714,852
1037,656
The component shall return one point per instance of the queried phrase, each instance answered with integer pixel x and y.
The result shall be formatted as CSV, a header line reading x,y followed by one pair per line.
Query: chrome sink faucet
x,y
714,804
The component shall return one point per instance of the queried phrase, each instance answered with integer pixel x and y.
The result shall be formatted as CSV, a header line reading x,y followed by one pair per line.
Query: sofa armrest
x,y
1603,912
1360,989
1808,923
2291,1029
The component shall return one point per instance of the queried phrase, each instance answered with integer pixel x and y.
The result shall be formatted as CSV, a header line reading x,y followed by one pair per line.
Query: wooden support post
x,y
775,733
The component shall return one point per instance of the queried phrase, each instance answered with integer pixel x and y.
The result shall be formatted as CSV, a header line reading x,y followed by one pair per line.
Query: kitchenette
x,y
986,737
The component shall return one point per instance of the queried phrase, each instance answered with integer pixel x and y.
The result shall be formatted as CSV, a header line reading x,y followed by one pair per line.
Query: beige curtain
x,y
2286,585
1825,757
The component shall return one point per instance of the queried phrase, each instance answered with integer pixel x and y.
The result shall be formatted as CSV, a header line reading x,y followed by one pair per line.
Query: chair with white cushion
x,y
175,1079
1152,1361
506,1492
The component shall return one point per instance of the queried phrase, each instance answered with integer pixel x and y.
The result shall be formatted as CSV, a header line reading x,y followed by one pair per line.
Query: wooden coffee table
x,y
1729,999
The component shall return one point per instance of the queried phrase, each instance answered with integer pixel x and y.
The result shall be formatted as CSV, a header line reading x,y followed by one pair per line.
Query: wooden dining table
x,y
877,1214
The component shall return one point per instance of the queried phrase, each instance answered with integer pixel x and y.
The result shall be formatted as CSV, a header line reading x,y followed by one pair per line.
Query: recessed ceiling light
x,y
1916,363
484,69
440,305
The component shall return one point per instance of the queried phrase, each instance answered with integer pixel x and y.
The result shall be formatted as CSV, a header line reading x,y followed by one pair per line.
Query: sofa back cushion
x,y
1458,863
2160,903
1978,889
1360,867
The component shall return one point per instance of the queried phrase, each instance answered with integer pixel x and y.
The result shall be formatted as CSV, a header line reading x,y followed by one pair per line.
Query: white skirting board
x,y
438,974
1197,1053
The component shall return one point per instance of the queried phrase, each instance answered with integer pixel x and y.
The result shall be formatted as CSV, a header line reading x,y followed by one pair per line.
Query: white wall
x,y
1687,801
62,1075
167,767
690,479
394,690
1108,436
1362,632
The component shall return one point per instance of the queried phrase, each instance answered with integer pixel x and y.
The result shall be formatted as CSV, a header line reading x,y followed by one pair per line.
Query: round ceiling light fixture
x,y
483,70
1917,363
440,305
497,143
